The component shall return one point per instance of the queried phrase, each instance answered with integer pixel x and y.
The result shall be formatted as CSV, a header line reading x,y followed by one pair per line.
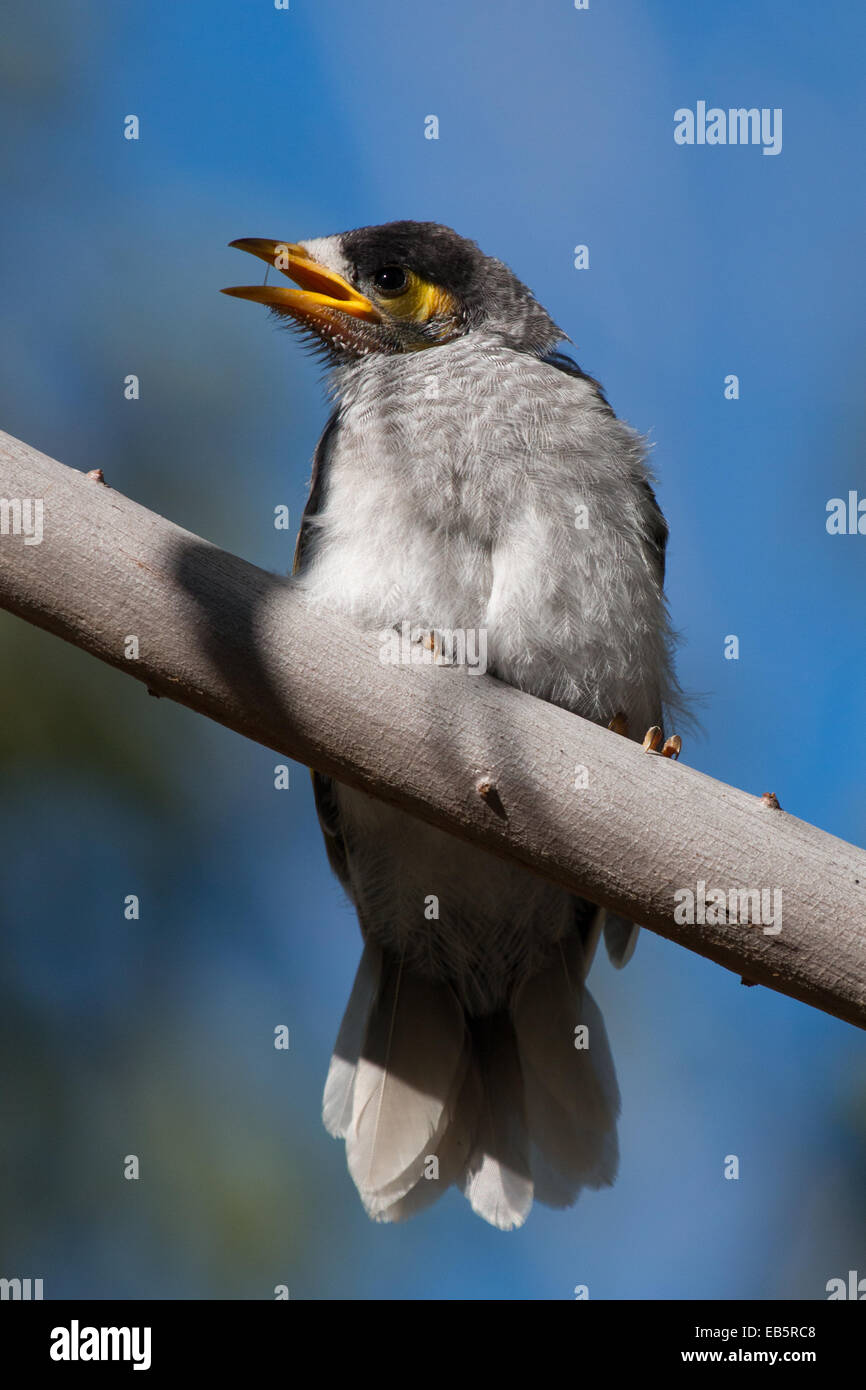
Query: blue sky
x,y
555,129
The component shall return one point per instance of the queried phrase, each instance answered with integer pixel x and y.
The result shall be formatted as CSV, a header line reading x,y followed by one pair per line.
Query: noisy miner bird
x,y
471,479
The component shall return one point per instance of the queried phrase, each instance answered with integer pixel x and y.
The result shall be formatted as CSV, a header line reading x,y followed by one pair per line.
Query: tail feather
x,y
340,1085
414,1047
451,1157
498,1178
512,1106
572,1098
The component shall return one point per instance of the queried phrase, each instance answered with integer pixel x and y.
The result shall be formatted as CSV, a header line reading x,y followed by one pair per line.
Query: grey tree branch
x,y
462,751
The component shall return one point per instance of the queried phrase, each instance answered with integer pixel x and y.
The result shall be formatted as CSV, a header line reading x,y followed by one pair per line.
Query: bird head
x,y
401,287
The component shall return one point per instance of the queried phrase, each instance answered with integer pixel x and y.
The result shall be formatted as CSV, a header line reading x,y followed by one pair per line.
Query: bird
x,y
471,479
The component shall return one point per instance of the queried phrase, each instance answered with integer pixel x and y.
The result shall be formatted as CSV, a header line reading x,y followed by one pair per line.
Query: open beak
x,y
322,292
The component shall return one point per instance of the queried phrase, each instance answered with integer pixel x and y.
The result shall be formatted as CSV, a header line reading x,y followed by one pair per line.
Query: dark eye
x,y
390,279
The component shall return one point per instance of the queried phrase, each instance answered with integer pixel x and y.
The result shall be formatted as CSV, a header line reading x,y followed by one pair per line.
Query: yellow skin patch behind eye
x,y
420,302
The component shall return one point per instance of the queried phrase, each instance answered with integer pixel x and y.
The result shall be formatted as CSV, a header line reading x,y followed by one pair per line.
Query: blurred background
x,y
155,1037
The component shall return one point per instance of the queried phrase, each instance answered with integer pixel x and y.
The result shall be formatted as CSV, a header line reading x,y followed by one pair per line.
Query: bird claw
x,y
670,748
619,725
431,641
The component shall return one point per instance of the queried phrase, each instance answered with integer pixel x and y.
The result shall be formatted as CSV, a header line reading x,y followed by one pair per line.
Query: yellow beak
x,y
322,292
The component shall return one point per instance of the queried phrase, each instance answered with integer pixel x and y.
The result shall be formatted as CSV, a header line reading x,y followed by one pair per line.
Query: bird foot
x,y
433,642
652,743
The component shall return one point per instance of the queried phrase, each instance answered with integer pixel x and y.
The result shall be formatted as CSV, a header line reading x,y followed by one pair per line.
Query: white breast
x,y
455,489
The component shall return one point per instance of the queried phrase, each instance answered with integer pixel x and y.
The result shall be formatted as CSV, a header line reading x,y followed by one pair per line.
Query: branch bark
x,y
464,752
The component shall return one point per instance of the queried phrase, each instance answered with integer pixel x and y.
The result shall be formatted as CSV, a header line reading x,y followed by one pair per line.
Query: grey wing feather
x,y
314,498
324,791
658,533
328,812
620,939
